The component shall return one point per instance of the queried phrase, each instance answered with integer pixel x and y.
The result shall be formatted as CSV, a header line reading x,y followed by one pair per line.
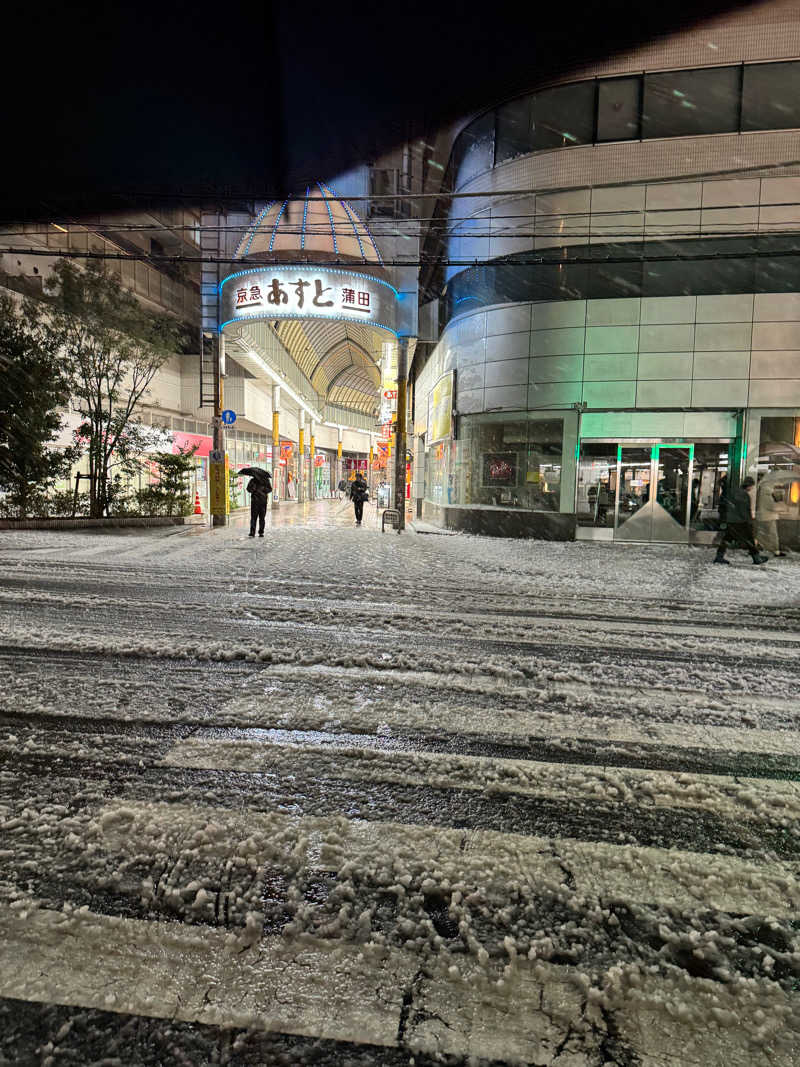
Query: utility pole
x,y
400,439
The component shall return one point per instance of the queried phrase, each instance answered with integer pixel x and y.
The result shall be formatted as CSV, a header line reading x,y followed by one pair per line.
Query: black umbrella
x,y
256,472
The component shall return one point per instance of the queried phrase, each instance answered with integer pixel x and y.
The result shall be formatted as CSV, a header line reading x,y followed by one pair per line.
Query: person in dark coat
x,y
259,489
736,523
358,494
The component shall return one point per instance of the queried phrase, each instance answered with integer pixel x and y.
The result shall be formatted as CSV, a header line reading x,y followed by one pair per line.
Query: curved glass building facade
x,y
620,300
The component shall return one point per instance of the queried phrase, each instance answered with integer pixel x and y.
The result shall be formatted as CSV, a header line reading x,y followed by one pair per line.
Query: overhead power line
x,y
531,259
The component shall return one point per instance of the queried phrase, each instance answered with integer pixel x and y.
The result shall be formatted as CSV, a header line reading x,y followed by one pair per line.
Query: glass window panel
x,y
684,102
473,152
502,461
771,96
540,489
597,484
681,277
777,491
563,116
778,275
708,480
608,280
514,132
618,101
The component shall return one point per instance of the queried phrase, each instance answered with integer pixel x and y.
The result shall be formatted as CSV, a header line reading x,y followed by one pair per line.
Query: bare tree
x,y
114,347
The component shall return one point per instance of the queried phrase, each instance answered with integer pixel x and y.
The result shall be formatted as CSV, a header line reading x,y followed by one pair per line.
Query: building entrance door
x,y
653,492
650,490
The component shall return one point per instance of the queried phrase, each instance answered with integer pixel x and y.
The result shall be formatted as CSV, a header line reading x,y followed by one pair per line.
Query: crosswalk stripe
x,y
669,877
527,1010
771,801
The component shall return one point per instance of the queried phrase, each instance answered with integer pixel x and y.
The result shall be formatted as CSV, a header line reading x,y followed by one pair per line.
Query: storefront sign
x,y
186,441
356,464
304,292
440,421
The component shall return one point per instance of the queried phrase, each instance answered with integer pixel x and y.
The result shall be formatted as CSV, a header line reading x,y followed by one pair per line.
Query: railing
x,y
356,420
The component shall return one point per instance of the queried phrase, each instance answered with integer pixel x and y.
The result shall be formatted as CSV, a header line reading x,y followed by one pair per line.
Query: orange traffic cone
x,y
197,508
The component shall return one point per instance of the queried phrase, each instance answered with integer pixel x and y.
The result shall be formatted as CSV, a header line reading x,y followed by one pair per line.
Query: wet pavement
x,y
337,797
330,511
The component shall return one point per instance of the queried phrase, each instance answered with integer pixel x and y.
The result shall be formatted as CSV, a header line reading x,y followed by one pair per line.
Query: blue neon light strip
x,y
352,211
277,221
350,214
305,318
305,213
330,217
256,225
267,269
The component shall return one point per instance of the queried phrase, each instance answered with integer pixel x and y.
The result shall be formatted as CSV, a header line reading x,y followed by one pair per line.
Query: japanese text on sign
x,y
322,296
306,292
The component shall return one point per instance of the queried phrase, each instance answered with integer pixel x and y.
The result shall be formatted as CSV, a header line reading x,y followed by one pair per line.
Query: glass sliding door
x,y
633,516
663,491
653,501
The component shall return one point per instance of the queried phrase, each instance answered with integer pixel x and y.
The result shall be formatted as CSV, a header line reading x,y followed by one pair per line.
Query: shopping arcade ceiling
x,y
340,359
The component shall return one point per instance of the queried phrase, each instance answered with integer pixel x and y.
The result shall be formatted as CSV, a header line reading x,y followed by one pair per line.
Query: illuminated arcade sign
x,y
307,293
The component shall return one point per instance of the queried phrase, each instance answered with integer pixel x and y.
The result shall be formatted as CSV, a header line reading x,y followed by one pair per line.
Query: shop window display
x,y
776,495
498,462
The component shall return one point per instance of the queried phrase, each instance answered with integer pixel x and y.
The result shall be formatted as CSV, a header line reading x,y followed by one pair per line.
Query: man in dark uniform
x,y
259,489
736,522
358,494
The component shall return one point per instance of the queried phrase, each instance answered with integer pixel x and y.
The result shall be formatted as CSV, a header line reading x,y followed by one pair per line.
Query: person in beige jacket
x,y
769,497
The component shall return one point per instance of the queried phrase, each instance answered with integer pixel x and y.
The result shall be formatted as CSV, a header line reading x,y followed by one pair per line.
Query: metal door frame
x,y
656,444
655,450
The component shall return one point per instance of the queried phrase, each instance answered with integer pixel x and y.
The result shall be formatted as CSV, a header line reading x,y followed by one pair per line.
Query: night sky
x,y
157,101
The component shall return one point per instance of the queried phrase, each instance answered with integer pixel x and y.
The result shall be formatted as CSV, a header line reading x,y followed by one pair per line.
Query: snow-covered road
x,y
344,798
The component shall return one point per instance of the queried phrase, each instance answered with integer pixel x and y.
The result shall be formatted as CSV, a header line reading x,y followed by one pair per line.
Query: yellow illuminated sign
x,y
218,474
441,421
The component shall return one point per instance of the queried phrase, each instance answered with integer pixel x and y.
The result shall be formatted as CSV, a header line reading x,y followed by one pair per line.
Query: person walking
x,y
259,489
358,494
769,508
736,523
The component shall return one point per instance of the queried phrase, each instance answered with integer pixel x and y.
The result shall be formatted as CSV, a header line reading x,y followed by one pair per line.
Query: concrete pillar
x,y
301,466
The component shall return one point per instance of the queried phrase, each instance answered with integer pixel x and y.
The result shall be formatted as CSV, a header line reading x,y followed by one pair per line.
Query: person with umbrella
x,y
259,487
358,494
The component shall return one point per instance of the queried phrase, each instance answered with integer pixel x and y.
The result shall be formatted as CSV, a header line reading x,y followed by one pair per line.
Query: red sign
x,y
187,440
390,394
320,461
356,464
286,451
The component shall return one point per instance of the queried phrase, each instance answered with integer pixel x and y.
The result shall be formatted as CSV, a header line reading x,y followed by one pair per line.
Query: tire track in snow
x,y
405,773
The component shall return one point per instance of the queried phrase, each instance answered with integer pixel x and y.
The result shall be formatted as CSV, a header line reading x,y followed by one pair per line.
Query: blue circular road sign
x,y
229,417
